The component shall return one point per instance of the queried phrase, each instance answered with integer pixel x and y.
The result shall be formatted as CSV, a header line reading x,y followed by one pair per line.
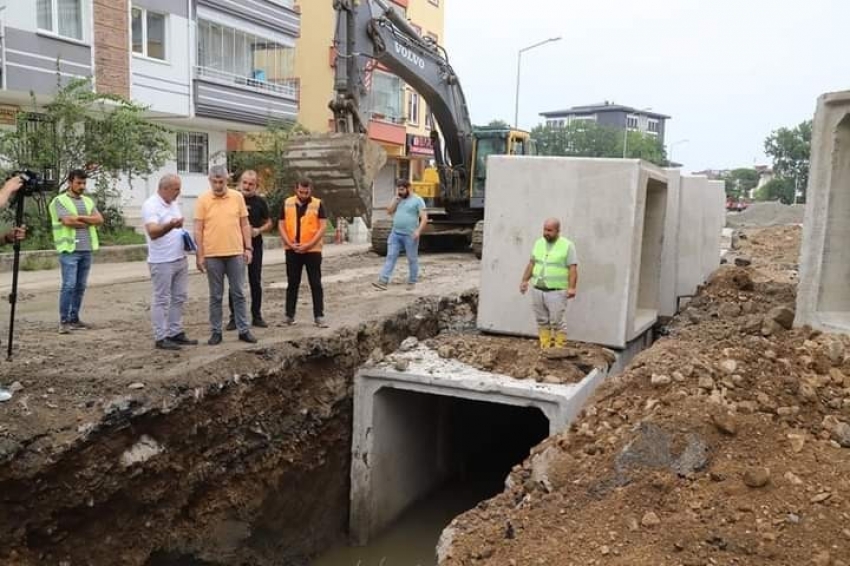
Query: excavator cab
x,y
493,141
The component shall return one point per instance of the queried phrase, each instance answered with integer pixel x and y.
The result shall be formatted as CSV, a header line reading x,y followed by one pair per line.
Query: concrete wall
x,y
690,266
670,248
823,295
614,211
714,220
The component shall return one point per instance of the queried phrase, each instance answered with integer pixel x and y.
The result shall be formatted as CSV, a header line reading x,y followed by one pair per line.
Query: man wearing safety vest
x,y
553,273
303,221
75,219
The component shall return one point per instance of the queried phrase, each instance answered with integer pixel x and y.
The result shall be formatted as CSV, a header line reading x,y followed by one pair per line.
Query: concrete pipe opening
x,y
652,240
419,443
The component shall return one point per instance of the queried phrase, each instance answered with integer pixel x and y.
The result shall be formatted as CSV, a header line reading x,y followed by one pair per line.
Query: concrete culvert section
x,y
420,421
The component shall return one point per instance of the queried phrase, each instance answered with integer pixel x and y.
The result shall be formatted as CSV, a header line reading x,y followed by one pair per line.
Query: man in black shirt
x,y
303,221
260,221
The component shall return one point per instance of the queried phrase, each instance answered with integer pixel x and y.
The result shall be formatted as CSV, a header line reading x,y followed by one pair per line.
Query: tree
x,y
266,158
790,149
501,124
105,134
588,139
739,182
780,188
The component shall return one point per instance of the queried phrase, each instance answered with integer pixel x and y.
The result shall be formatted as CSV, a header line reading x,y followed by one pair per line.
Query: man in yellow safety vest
x,y
553,274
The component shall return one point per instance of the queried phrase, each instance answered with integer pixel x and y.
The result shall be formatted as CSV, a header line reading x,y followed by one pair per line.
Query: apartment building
x,y
203,67
398,117
613,115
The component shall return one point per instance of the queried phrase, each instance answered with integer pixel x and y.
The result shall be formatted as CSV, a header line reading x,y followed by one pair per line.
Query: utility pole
x,y
519,74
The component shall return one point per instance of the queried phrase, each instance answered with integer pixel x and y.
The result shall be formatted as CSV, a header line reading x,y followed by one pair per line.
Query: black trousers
x,y
295,264
255,280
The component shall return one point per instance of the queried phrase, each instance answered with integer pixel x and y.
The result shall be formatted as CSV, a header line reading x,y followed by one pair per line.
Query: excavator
x,y
344,164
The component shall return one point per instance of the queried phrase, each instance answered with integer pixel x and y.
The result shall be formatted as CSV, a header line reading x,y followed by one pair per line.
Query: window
x,y
632,122
653,126
232,55
148,33
62,17
429,118
192,152
413,108
385,100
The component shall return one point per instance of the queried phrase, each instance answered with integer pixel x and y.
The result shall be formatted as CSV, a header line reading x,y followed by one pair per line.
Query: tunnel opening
x,y
432,458
649,274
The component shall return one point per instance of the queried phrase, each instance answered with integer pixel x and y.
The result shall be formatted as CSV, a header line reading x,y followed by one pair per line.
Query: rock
x,y
377,356
783,316
797,442
660,380
729,366
725,423
145,449
678,377
650,520
408,344
137,385
807,392
633,525
747,307
822,559
770,327
604,550
694,316
743,261
706,382
446,351
841,434
552,379
756,477
729,310
401,364
16,386
793,478
821,497
835,352
836,375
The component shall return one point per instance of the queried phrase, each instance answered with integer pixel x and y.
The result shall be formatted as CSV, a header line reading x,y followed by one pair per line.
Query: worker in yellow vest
x,y
553,274
75,220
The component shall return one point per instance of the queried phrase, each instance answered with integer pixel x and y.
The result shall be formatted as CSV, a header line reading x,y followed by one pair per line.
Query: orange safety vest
x,y
309,222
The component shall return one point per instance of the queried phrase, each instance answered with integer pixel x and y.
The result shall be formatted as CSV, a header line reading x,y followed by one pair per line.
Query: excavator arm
x,y
343,164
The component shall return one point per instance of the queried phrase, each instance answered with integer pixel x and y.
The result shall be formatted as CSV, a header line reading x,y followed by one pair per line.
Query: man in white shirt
x,y
168,265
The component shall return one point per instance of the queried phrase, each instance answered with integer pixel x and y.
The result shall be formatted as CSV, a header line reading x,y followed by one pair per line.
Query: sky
x,y
728,71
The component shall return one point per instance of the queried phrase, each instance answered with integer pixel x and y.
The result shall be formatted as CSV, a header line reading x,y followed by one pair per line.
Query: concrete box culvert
x,y
399,442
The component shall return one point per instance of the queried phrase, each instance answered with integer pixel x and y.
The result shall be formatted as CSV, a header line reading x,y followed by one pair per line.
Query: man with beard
x,y
553,273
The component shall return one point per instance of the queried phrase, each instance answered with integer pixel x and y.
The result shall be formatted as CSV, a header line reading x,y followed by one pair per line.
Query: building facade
x,y
398,117
202,67
613,115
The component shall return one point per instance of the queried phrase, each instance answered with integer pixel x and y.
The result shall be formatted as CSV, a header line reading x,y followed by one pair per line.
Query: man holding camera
x,y
9,237
75,219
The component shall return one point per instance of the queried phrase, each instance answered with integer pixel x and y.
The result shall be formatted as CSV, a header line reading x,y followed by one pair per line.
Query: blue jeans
x,y
395,243
75,274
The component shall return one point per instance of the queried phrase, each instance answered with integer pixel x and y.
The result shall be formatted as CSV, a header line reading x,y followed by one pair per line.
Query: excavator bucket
x,y
342,168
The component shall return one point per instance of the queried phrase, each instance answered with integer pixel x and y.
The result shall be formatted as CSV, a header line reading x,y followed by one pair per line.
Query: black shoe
x,y
231,325
215,339
79,325
259,323
166,344
182,339
247,337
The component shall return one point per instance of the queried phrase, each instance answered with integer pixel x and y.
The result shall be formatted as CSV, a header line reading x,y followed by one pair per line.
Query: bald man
x,y
553,274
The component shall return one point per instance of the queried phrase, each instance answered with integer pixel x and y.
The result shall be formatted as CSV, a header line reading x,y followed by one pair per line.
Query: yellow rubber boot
x,y
560,339
545,336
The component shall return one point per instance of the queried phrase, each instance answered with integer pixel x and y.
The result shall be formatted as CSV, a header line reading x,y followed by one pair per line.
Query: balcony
x,y
239,98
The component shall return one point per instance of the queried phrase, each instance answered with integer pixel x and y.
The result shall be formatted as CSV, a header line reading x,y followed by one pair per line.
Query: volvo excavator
x,y
344,164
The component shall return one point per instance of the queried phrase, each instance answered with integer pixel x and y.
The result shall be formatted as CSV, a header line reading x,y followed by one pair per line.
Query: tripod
x,y
16,266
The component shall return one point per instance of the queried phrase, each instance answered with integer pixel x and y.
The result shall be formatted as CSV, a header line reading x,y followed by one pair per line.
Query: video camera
x,y
33,182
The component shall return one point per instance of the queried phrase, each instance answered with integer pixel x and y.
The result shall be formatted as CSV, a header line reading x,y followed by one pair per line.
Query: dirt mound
x,y
521,357
728,442
767,214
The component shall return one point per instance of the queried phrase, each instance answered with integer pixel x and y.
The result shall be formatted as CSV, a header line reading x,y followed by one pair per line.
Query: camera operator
x,y
8,237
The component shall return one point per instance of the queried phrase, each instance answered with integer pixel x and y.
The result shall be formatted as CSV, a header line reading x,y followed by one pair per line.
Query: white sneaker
x,y
5,395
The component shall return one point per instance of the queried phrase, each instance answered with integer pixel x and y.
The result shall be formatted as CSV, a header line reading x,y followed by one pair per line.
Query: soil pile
x,y
767,214
728,442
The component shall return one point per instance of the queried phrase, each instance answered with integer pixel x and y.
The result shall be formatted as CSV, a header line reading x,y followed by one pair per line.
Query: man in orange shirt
x,y
223,237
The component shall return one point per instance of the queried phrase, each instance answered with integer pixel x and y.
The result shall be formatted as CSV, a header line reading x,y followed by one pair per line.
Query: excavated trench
x,y
253,470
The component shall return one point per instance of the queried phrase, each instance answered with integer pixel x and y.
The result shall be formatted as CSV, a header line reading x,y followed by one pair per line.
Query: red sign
x,y
419,145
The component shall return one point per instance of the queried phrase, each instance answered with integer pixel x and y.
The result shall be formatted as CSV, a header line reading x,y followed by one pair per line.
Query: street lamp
x,y
626,131
670,151
518,70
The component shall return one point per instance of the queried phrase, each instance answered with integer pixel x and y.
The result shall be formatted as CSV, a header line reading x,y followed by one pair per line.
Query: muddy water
x,y
412,540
